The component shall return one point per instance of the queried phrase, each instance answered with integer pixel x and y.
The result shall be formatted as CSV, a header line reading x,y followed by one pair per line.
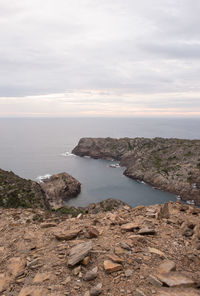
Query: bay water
x,y
35,147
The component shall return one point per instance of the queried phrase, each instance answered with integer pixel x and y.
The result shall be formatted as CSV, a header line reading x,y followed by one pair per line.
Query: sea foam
x,y
67,154
41,178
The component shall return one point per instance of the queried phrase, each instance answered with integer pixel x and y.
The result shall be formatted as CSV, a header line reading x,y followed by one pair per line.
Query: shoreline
x,y
171,165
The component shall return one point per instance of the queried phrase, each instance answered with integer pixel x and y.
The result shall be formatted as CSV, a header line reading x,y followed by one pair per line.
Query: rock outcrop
x,y
118,260
59,188
168,164
18,192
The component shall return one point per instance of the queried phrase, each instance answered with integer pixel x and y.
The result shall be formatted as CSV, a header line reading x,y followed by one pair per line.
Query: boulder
x,y
60,187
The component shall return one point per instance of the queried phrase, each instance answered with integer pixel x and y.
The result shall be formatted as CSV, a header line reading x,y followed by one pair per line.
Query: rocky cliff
x,y
59,188
18,192
140,251
168,164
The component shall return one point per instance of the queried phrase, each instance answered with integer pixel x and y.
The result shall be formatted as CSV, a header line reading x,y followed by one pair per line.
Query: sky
x,y
66,58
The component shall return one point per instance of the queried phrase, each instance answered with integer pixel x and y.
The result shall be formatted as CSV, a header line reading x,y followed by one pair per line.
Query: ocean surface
x,y
32,148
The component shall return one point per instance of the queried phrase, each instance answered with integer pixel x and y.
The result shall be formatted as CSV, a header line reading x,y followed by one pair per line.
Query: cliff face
x,y
60,187
168,164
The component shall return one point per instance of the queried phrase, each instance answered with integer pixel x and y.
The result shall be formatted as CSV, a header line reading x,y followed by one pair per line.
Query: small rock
x,y
147,231
187,232
33,263
78,252
128,272
85,261
110,266
91,274
156,251
76,270
115,258
163,212
62,234
125,246
119,251
166,266
93,232
130,226
96,290
154,281
48,225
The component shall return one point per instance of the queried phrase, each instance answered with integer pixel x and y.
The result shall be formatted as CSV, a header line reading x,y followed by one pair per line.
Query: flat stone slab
x,y
177,292
156,251
62,234
176,279
147,231
79,252
130,226
166,266
110,266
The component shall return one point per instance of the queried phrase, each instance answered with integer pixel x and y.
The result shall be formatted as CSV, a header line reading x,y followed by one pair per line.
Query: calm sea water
x,y
36,147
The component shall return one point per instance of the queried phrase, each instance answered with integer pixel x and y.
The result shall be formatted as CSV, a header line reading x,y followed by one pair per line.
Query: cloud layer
x,y
108,57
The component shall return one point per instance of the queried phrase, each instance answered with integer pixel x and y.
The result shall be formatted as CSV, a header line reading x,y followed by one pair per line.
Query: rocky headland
x,y
171,164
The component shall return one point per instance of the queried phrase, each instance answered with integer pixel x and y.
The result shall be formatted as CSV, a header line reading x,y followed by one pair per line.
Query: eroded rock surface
x,y
60,187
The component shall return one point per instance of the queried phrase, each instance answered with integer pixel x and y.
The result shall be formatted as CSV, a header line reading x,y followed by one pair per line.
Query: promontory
x,y
168,164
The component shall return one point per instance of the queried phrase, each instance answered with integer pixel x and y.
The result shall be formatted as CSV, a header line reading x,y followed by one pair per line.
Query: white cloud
x,y
148,48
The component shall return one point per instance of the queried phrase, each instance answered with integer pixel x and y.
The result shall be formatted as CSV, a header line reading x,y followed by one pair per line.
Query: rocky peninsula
x,y
170,164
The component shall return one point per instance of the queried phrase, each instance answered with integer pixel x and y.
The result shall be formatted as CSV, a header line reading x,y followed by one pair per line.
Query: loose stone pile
x,y
139,251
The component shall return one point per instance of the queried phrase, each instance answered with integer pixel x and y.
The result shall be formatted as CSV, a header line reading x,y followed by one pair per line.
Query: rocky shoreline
x,y
171,165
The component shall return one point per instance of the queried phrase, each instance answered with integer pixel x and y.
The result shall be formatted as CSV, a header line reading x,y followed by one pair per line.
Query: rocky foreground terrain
x,y
104,250
168,164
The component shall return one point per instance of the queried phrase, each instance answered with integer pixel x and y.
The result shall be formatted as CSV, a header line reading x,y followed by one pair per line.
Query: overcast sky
x,y
99,58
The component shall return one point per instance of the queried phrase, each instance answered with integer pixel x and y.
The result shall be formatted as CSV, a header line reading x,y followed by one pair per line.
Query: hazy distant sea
x,y
36,147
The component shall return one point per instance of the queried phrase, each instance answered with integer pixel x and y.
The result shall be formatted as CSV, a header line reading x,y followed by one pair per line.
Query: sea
x,y
34,148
